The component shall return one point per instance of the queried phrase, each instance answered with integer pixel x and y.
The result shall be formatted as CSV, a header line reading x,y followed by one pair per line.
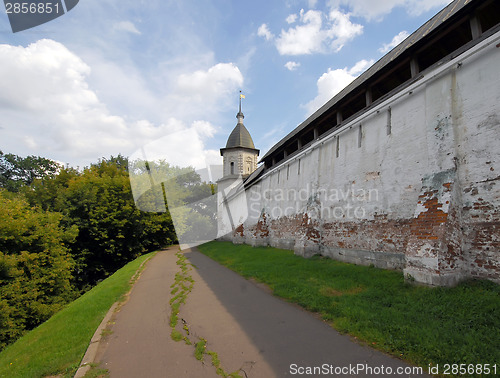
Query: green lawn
x,y
58,345
419,324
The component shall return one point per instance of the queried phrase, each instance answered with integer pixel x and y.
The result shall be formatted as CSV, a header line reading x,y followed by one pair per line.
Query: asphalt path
x,y
253,332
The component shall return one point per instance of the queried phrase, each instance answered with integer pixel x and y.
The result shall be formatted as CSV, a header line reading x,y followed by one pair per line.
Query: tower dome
x,y
240,137
240,155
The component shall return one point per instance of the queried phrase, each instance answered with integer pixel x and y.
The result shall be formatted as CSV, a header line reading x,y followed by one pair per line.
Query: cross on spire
x,y
240,115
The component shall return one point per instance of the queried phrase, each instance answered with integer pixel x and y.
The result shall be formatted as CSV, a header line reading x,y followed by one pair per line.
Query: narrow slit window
x,y
389,121
360,135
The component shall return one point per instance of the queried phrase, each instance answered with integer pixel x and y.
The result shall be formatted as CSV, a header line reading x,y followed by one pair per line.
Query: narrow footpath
x,y
228,320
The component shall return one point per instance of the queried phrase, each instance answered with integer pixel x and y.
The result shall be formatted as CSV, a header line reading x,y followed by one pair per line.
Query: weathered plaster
x,y
423,198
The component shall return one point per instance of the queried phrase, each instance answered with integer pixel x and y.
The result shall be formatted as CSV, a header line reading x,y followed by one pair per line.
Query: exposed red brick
x,y
239,230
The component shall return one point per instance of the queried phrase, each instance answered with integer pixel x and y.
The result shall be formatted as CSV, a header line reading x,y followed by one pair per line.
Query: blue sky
x,y
112,76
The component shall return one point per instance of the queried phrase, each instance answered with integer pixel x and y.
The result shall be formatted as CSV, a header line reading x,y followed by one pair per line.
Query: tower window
x,y
232,167
249,165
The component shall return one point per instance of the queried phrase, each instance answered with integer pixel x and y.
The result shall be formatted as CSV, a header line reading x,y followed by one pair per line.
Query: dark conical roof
x,y
240,137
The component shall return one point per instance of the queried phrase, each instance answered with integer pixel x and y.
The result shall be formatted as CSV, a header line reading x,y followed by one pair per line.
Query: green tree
x,y
63,230
35,266
48,192
16,171
180,191
112,230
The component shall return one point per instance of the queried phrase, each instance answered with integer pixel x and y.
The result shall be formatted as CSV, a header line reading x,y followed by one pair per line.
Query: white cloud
x,y
333,81
329,84
342,29
303,39
361,67
317,32
370,9
291,18
292,66
207,87
400,37
136,98
126,26
264,31
182,146
49,109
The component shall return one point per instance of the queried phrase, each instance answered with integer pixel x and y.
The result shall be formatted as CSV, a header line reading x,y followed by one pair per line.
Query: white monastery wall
x,y
412,184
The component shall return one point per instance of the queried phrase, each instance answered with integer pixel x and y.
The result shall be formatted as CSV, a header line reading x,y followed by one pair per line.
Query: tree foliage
x,y
62,230
16,171
157,186
112,229
35,266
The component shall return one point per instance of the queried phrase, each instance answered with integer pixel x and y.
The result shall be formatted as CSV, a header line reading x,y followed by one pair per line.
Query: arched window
x,y
232,167
249,164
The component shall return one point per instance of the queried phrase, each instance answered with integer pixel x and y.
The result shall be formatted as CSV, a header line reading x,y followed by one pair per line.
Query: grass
x,y
96,372
182,286
199,350
58,345
419,324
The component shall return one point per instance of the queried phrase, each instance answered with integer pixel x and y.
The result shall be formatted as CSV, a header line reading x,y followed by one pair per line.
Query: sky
x,y
161,78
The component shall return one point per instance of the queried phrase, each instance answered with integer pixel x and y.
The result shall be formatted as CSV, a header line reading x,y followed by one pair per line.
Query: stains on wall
x,y
434,250
437,173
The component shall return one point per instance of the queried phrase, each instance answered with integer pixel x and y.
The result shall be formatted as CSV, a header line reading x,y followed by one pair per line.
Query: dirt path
x,y
247,330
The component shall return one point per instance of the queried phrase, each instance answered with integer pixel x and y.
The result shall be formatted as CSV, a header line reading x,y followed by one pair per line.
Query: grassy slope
x,y
58,345
420,324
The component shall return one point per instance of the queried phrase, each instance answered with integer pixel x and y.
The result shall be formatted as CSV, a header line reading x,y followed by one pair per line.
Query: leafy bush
x,y
112,230
35,266
63,230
